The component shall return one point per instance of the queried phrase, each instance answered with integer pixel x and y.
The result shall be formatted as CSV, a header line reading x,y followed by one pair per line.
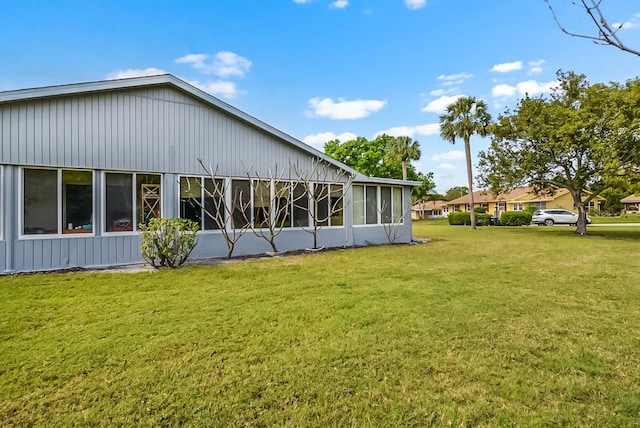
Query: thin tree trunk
x,y
467,151
404,170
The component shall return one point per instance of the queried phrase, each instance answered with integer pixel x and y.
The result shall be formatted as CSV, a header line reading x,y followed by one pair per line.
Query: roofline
x,y
169,79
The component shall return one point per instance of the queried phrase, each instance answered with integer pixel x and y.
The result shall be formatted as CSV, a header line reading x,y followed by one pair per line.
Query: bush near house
x,y
464,218
515,218
168,241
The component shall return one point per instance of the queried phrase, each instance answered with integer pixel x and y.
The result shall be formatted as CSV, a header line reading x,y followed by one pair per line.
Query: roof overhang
x,y
168,79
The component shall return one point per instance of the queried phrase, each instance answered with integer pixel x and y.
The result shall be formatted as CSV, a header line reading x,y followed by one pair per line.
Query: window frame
x,y
134,201
392,209
203,196
59,204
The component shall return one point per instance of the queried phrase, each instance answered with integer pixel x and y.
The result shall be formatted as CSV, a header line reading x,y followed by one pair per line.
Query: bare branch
x,y
606,34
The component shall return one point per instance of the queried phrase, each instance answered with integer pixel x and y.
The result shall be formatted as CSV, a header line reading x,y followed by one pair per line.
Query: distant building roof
x,y
631,199
429,205
486,196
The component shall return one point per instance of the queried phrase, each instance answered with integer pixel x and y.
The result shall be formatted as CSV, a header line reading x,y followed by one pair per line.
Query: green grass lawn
x,y
495,327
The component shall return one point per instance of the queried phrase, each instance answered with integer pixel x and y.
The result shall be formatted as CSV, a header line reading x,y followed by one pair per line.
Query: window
x,y
518,207
300,206
241,203
321,209
538,205
122,197
192,195
57,201
336,216
371,206
283,203
385,204
261,203
398,210
358,204
369,209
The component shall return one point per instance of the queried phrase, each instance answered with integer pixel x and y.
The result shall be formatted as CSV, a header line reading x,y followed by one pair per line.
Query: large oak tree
x,y
583,138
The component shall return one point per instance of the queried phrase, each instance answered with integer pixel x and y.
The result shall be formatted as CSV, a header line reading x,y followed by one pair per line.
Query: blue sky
x,y
323,69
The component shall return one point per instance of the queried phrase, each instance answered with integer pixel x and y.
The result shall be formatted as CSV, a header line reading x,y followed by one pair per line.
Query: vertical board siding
x,y
63,253
3,256
157,129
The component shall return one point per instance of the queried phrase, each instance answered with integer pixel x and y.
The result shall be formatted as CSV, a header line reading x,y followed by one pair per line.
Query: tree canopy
x,y
368,157
373,158
403,149
455,193
583,138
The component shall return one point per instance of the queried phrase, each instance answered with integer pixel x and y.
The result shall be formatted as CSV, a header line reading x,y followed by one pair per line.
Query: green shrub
x,y
481,210
464,218
515,218
168,241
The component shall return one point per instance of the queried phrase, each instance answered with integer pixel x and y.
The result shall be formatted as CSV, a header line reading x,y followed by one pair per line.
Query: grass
x,y
625,218
498,327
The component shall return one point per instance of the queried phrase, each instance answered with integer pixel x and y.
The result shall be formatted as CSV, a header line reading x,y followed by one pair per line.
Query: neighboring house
x,y
429,209
631,203
82,165
519,199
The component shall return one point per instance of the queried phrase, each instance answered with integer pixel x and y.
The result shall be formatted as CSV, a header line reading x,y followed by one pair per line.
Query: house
x,y
82,166
631,203
519,199
429,209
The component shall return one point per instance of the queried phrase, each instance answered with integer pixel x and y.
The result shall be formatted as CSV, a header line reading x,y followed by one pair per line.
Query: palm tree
x,y
403,149
465,117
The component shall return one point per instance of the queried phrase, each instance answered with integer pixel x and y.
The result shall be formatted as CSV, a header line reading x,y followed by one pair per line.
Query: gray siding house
x,y
82,165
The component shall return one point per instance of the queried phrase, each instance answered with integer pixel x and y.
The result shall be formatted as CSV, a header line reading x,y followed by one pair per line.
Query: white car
x,y
555,216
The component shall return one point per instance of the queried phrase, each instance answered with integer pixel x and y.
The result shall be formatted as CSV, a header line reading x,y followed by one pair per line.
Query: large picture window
x,y
57,201
131,199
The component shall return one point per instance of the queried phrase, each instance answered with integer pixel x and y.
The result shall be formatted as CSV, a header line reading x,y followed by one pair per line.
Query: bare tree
x,y
325,187
392,219
607,34
273,200
229,218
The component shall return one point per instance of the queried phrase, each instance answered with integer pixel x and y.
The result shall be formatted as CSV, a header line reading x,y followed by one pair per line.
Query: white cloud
x,y
440,105
624,25
415,4
447,166
135,72
301,1
459,76
533,87
450,156
535,67
412,131
437,92
503,90
225,63
318,140
339,4
507,67
220,88
342,109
